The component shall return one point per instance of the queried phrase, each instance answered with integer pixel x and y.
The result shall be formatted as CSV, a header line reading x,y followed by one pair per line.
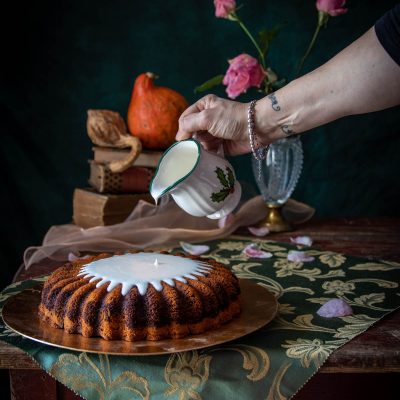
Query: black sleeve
x,y
387,30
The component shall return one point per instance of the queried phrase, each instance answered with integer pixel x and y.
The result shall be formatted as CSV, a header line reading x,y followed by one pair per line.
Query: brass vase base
x,y
275,221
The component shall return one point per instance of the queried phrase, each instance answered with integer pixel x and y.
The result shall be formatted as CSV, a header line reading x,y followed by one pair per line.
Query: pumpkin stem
x,y
144,82
151,75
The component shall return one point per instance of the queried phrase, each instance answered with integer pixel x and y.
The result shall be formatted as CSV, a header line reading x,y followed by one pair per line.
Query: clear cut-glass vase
x,y
277,177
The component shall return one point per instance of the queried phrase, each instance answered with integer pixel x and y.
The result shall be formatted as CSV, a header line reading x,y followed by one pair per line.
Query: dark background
x,y
61,58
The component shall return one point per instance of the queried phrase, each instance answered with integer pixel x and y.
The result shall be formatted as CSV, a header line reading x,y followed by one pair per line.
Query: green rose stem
x,y
233,17
322,20
247,32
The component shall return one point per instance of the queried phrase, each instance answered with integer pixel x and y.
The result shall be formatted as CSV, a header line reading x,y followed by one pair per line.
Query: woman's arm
x,y
360,79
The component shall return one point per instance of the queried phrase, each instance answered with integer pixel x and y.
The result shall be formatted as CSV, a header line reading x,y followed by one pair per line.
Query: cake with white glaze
x,y
140,296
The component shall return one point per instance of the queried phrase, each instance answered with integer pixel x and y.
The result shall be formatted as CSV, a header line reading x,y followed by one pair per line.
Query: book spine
x,y
93,209
133,180
105,155
89,221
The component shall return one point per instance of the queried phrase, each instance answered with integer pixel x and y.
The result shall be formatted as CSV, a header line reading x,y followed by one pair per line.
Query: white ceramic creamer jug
x,y
201,182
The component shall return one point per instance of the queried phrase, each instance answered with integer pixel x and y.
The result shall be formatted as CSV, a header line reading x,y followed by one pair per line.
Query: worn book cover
x,y
91,208
133,180
106,155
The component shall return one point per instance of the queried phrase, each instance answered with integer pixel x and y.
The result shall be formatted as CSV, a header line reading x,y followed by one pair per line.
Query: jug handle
x,y
220,150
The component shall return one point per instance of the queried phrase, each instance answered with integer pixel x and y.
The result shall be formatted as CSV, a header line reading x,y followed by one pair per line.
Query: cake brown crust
x,y
72,303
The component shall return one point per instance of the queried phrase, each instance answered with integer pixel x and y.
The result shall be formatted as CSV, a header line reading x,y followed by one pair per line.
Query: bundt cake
x,y
140,296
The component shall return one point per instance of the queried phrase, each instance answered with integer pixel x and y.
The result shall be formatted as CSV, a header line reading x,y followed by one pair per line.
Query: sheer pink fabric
x,y
151,226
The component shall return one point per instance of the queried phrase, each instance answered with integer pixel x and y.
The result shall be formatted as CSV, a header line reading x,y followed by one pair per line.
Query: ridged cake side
x,y
73,303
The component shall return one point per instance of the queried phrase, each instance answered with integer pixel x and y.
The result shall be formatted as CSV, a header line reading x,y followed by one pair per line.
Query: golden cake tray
x,y
20,314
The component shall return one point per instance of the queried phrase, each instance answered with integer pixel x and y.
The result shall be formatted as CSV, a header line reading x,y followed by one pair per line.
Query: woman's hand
x,y
215,121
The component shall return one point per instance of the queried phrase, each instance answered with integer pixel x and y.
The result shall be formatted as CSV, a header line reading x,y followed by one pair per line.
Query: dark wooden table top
x,y
375,351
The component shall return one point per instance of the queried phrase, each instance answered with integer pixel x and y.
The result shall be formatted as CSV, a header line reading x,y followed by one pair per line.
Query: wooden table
x,y
367,367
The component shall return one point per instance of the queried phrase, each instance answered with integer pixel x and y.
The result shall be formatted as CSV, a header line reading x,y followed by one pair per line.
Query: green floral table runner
x,y
272,363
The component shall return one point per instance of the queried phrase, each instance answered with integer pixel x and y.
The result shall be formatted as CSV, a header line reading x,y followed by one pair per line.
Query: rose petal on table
x,y
253,251
302,240
299,256
226,221
73,257
335,308
194,249
258,231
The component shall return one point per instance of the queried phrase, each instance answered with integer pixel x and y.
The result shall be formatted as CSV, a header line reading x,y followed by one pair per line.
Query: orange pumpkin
x,y
153,112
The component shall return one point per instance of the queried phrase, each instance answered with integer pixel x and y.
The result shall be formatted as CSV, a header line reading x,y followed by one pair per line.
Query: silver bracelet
x,y
259,154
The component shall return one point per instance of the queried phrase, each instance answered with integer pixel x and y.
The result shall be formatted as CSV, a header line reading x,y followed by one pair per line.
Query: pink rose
x,y
244,72
224,7
331,7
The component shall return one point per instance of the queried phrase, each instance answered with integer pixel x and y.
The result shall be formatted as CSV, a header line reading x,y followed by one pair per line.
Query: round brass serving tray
x,y
20,314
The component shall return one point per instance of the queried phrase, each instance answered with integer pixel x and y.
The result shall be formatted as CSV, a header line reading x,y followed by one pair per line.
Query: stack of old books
x,y
113,195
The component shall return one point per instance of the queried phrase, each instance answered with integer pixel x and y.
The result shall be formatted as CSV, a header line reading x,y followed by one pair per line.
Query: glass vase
x,y
276,177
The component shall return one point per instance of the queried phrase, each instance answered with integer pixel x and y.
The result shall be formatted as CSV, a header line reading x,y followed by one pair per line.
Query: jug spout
x,y
175,165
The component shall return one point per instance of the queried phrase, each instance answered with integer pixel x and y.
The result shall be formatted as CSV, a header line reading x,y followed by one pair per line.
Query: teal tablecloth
x,y
272,363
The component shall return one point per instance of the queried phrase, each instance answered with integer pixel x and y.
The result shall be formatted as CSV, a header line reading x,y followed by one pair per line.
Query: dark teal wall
x,y
62,58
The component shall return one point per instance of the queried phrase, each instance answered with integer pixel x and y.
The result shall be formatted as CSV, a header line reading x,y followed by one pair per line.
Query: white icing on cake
x,y
140,269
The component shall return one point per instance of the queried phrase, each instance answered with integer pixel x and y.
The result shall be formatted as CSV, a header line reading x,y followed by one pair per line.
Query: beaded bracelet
x,y
259,154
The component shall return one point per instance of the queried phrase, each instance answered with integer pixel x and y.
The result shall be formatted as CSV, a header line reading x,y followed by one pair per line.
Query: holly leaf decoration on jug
x,y
228,184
